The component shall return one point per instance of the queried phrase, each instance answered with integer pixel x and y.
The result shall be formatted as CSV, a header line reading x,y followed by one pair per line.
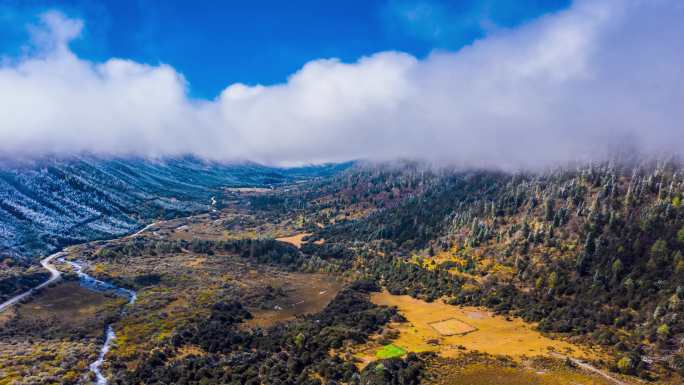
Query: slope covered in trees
x,y
594,251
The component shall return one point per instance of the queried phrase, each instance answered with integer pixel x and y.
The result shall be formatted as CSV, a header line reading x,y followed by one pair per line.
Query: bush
x,y
625,365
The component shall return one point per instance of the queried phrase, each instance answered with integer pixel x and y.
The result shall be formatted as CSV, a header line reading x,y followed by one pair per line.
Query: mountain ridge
x,y
48,202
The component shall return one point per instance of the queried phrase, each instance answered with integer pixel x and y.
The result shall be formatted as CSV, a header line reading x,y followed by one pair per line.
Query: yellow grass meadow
x,y
295,240
450,330
452,327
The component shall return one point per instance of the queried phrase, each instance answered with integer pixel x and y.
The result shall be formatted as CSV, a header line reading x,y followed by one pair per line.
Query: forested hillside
x,y
594,251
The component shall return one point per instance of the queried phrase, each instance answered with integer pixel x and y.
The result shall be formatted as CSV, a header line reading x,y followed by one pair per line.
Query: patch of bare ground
x,y
298,294
64,309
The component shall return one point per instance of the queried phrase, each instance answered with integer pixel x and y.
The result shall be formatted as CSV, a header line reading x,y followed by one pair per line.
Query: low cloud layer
x,y
575,85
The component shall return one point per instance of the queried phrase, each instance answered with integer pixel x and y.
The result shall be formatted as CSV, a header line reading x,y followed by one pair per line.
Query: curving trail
x,y
88,282
139,232
54,276
54,273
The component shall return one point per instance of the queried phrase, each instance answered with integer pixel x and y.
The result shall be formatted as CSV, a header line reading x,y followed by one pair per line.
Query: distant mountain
x,y
310,171
48,203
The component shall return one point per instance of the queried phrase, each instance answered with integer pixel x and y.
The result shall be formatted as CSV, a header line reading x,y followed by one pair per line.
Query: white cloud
x,y
572,85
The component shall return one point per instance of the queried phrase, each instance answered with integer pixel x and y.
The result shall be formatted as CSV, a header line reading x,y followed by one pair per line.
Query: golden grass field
x,y
454,332
452,327
460,329
295,240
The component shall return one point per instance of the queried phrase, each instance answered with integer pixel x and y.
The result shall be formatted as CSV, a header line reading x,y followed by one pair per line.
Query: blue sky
x,y
215,43
507,84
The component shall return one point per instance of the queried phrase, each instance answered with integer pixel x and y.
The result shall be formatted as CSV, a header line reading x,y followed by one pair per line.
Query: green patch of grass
x,y
390,351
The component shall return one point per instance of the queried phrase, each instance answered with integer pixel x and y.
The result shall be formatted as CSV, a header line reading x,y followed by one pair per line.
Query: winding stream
x,y
95,284
97,364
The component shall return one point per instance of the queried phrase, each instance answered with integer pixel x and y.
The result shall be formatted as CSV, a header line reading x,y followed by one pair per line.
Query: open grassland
x,y
451,327
475,347
295,240
390,351
460,329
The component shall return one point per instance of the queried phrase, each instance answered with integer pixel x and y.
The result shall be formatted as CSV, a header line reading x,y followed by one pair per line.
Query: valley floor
x,y
252,291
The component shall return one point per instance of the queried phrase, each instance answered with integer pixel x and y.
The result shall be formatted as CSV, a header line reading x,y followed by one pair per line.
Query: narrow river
x,y
95,284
